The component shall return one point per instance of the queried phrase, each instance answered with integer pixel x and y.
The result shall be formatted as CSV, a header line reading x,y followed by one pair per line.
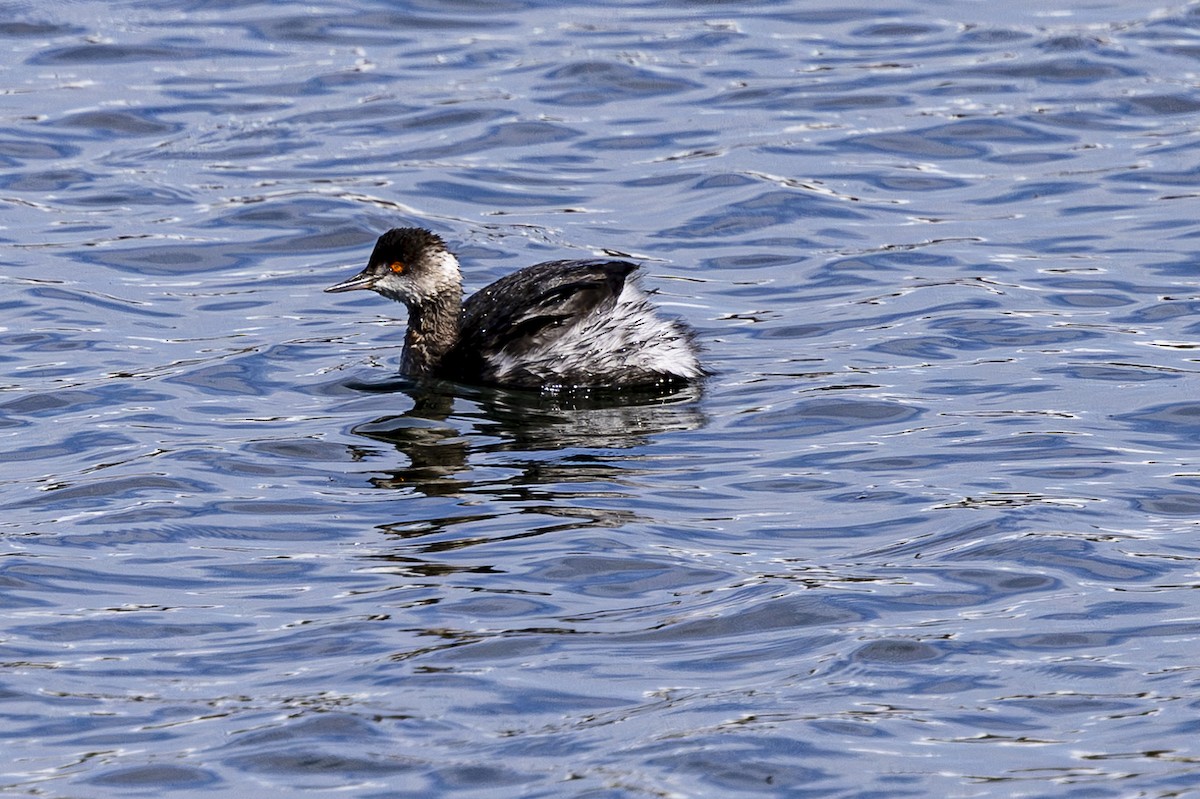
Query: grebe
x,y
558,324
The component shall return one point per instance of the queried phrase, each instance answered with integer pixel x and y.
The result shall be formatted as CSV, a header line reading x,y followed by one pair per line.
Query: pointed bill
x,y
363,280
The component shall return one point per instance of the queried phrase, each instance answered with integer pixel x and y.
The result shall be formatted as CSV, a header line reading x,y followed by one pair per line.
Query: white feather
x,y
630,342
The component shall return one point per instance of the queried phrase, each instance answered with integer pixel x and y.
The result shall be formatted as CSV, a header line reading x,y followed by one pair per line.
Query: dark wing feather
x,y
530,307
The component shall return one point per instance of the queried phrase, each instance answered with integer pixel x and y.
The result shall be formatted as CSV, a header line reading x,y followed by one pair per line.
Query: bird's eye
x,y
397,267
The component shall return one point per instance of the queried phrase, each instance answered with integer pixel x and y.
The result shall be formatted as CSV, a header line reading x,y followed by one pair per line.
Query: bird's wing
x,y
530,308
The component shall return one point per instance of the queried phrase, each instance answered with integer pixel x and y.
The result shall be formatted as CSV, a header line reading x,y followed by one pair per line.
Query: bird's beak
x,y
363,280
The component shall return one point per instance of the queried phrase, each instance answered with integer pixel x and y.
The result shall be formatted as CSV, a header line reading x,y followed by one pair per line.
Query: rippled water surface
x,y
930,529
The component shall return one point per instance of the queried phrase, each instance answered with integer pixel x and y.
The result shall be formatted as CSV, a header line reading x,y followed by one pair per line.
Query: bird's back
x,y
580,323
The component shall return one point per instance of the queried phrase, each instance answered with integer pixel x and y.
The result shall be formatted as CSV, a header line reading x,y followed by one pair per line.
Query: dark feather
x,y
528,308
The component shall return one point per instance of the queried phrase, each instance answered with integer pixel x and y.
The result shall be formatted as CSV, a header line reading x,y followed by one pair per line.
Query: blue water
x,y
929,531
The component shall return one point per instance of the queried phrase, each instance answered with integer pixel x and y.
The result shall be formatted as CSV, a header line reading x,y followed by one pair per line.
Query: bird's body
x,y
558,324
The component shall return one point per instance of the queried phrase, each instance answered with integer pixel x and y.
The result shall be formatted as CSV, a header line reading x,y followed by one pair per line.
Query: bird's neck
x,y
433,329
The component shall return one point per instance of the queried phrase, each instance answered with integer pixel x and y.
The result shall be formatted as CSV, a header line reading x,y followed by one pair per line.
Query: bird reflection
x,y
448,422
504,467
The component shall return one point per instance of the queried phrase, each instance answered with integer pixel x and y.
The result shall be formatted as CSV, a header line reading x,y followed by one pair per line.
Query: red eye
x,y
397,267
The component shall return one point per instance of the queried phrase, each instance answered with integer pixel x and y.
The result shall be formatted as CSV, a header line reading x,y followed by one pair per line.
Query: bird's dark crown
x,y
405,245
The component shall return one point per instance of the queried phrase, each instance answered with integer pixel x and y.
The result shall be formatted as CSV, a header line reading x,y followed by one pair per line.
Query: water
x,y
929,531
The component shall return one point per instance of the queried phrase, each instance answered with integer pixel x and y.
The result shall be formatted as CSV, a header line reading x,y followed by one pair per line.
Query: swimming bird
x,y
553,325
